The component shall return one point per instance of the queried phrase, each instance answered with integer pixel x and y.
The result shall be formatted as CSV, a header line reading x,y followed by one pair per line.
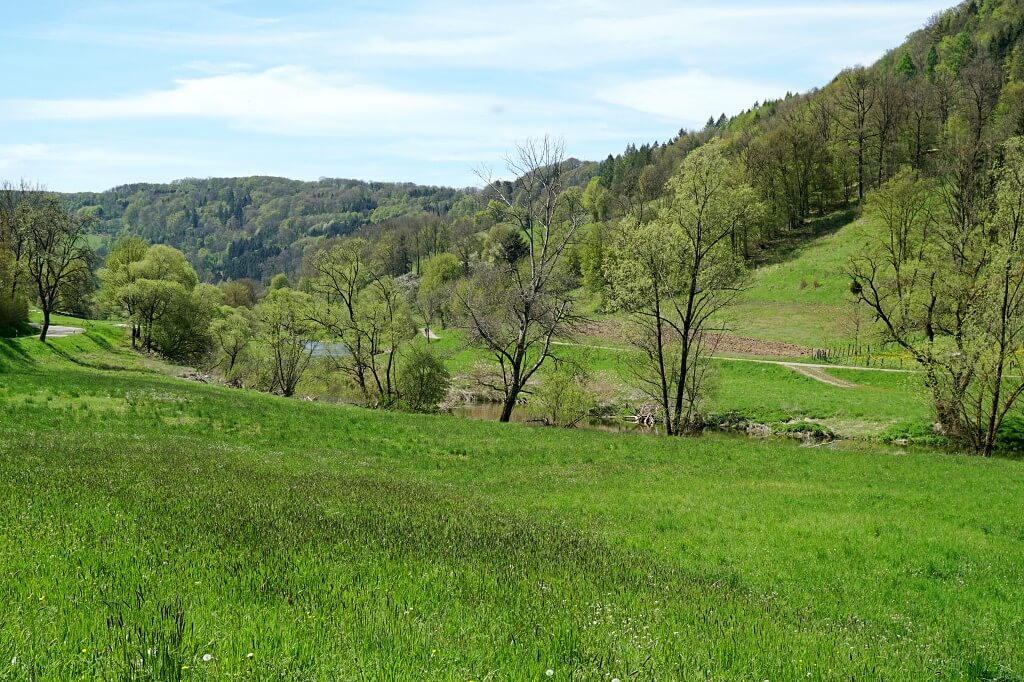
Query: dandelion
x,y
250,655
207,658
14,660
549,672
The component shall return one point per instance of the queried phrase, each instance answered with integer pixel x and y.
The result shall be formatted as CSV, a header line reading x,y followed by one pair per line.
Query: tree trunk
x,y
509,404
46,325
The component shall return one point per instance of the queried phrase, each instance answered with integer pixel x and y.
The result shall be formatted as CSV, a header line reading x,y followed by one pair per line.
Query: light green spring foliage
x,y
279,281
158,292
232,333
283,332
423,379
563,396
676,274
434,296
687,240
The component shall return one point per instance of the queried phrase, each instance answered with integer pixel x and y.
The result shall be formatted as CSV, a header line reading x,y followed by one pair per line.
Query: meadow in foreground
x,y
159,529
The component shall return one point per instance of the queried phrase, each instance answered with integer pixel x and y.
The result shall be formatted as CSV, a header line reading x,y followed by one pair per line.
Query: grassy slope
x,y
150,521
783,303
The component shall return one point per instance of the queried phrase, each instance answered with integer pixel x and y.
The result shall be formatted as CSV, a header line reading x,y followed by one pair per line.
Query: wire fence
x,y
863,355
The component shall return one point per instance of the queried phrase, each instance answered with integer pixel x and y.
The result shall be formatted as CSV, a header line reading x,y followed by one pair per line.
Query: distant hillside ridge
x,y
946,98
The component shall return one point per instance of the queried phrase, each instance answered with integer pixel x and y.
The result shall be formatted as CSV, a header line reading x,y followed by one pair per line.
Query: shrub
x,y
423,380
13,311
1010,437
727,421
563,397
914,433
806,430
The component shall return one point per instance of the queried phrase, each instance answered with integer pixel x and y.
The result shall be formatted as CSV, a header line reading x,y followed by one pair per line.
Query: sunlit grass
x,y
151,523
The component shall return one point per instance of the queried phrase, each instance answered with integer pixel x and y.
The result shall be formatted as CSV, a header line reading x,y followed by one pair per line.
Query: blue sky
x,y
98,94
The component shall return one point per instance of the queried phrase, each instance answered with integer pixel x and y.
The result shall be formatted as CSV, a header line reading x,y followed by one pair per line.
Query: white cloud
x,y
292,100
284,100
689,98
551,35
18,155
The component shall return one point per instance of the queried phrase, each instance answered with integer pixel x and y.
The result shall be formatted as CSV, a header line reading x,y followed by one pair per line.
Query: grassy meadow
x,y
161,529
803,298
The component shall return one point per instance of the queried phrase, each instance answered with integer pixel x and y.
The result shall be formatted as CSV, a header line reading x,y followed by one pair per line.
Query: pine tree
x,y
931,62
906,67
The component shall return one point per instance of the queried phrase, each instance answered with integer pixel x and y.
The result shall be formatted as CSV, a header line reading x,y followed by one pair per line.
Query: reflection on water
x,y
492,412
321,349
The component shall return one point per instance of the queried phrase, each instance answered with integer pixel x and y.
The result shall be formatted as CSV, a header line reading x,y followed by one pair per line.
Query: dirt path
x,y
780,363
821,375
57,331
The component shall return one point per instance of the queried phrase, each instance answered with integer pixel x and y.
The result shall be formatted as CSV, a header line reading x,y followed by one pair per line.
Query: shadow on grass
x,y
13,355
18,330
73,359
787,245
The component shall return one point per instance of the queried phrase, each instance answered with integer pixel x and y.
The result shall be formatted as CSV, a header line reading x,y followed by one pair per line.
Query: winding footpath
x,y
811,370
57,331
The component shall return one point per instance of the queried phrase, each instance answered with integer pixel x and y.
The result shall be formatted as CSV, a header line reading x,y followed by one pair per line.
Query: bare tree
x,y
982,81
518,304
887,117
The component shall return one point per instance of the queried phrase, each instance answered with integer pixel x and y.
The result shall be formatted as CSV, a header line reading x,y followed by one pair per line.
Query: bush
x,y
13,311
1010,437
806,430
564,397
423,380
727,421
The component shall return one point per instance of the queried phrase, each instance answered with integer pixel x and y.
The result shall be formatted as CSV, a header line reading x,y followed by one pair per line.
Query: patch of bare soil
x,y
727,343
615,331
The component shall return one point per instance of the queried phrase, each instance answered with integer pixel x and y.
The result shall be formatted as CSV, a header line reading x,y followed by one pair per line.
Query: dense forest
x,y
255,227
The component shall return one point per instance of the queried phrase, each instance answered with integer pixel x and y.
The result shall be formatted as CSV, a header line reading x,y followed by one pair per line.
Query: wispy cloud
x,y
282,100
689,97
415,90
15,155
530,35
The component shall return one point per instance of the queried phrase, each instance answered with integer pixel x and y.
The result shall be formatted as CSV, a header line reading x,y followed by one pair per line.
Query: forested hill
x,y
255,227
258,226
940,104
942,101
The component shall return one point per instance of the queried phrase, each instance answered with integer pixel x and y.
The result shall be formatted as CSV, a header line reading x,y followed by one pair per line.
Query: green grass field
x,y
152,523
804,299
